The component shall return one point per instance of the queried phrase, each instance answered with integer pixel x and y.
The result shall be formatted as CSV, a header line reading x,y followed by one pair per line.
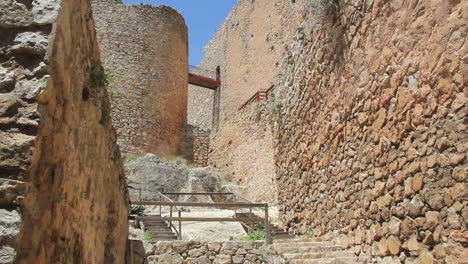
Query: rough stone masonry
x,y
60,168
148,53
371,141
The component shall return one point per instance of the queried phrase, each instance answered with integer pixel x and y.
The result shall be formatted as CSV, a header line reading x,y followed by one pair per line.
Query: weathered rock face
x,y
148,52
57,141
150,175
371,139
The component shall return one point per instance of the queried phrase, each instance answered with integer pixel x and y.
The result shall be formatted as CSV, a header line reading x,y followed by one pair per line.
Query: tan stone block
x,y
412,244
383,247
425,257
459,236
380,120
432,220
459,190
394,245
439,251
394,226
418,182
437,233
409,187
456,159
413,167
459,102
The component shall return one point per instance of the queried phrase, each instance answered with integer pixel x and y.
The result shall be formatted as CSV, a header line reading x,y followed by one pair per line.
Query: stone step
x,y
163,237
324,254
155,226
281,241
339,260
303,244
168,233
284,237
306,249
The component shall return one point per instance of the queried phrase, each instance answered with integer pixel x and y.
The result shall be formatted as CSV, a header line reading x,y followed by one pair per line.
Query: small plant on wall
x,y
322,10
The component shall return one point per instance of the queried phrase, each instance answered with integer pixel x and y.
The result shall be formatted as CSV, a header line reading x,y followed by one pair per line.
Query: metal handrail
x,y
171,225
247,204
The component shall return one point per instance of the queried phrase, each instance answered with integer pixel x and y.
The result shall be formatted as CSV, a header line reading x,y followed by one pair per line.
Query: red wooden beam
x,y
203,81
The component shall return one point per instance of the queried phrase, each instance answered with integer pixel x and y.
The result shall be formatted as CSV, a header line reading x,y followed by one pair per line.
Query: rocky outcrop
x,y
60,167
149,175
371,136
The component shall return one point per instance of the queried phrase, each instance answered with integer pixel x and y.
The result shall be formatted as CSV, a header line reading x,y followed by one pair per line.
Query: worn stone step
x,y
165,237
293,244
280,241
283,237
168,232
307,249
160,227
322,254
339,260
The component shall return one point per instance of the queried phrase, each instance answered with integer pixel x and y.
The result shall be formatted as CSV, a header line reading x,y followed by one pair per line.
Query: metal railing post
x,y
251,223
267,227
160,206
235,201
180,226
170,215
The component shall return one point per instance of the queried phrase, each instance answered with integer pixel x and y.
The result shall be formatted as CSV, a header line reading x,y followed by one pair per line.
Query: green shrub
x,y
228,177
329,7
216,124
179,160
275,107
132,157
136,210
309,234
148,236
324,9
258,234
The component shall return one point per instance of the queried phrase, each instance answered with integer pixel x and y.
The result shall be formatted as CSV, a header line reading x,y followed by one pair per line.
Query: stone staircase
x,y
276,230
160,230
314,251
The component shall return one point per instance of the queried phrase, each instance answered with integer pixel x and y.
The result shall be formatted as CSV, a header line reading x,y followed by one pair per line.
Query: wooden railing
x,y
232,205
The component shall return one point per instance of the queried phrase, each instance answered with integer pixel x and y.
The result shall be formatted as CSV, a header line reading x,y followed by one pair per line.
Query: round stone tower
x,y
145,48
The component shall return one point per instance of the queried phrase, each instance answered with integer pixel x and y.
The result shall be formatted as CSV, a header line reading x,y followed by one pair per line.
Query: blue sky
x,y
202,17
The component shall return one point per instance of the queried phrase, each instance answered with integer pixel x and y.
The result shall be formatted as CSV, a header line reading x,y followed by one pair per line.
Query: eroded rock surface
x,y
63,196
151,175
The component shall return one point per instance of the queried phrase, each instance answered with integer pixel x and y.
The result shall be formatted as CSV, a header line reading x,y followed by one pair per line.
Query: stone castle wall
x,y
262,28
146,46
57,142
195,145
371,139
201,146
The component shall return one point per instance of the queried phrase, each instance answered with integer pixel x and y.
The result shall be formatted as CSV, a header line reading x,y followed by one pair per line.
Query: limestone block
x,y
14,14
34,43
7,77
45,11
223,259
